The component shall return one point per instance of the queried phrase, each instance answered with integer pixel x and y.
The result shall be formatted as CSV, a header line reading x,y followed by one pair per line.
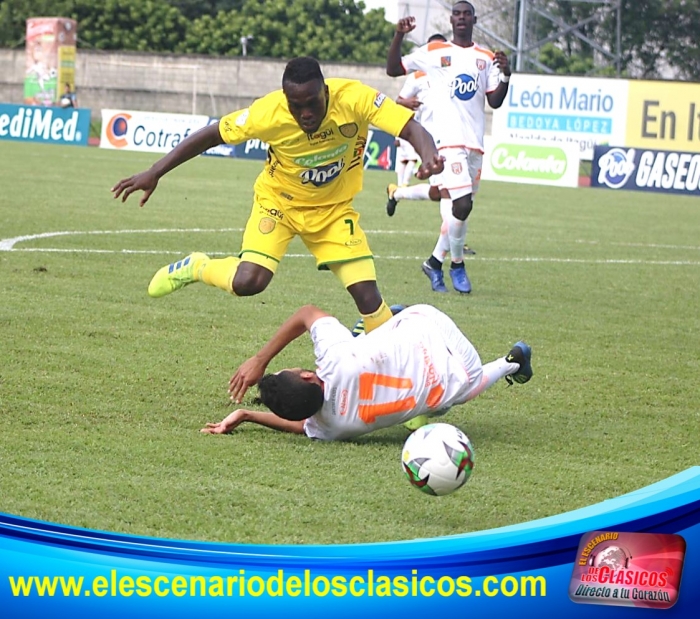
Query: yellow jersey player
x,y
317,131
418,363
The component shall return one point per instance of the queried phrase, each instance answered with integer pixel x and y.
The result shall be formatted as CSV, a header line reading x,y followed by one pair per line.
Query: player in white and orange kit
x,y
462,77
417,363
413,95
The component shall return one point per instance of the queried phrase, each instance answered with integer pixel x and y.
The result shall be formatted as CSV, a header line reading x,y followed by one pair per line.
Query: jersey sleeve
x,y
381,111
236,127
249,123
410,87
329,338
415,61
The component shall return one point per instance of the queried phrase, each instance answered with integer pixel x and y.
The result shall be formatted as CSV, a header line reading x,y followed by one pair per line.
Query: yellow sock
x,y
374,320
219,272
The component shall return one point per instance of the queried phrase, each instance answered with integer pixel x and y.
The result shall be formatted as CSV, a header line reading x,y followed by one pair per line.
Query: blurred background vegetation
x,y
656,35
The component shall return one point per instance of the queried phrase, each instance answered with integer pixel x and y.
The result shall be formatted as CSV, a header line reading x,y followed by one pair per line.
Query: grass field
x,y
103,390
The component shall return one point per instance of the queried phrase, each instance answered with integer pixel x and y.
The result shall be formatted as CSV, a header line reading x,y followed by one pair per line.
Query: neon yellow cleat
x,y
176,275
417,422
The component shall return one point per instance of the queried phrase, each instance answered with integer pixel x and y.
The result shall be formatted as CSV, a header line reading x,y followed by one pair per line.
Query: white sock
x,y
493,372
400,168
413,192
457,231
407,173
442,247
445,210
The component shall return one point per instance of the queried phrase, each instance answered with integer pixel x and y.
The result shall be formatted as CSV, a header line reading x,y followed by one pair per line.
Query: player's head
x,y
292,394
306,92
437,37
463,18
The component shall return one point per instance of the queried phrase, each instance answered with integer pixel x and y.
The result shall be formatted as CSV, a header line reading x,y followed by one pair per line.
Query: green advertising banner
x,y
522,161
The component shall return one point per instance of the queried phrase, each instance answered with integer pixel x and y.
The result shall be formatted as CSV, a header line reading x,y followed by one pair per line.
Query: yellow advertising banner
x,y
663,116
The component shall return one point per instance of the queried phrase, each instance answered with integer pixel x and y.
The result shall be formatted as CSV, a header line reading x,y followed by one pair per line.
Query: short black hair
x,y
289,396
437,37
302,70
465,2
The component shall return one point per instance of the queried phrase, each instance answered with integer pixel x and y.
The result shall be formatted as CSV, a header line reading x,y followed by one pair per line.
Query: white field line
x,y
643,245
9,245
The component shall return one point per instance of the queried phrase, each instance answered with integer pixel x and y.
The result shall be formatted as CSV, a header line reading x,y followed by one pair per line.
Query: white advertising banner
x,y
580,110
147,131
534,163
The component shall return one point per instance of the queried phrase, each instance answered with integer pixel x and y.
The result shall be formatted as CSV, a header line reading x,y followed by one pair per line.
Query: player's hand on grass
x,y
226,425
145,181
247,375
428,168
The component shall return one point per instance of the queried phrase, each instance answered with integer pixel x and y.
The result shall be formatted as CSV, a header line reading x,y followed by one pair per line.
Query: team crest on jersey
x,y
480,64
446,61
267,225
456,168
349,130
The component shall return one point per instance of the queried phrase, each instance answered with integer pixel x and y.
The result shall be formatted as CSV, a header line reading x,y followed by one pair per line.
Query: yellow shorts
x,y
331,233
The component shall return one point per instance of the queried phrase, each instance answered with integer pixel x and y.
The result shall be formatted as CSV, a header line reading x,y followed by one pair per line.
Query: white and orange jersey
x,y
459,79
395,373
417,85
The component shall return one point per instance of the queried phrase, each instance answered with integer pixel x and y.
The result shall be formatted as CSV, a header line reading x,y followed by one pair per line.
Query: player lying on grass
x,y
417,363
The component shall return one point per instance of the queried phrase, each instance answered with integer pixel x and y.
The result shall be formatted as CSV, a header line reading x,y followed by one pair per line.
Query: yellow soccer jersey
x,y
321,168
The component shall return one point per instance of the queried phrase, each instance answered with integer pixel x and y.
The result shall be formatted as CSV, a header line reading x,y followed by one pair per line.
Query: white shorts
x,y
406,152
462,171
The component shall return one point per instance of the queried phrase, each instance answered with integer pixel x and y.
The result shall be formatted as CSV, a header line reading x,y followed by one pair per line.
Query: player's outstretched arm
x,y
190,147
394,68
252,370
269,420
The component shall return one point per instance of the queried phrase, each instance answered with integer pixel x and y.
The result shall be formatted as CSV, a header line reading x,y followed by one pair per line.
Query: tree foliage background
x,y
326,29
655,33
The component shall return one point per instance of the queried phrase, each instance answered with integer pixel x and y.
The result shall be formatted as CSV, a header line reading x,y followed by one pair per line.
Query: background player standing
x,y
462,76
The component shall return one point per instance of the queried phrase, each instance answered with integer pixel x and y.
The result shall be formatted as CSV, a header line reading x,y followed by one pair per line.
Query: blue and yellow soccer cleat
x,y
521,354
176,275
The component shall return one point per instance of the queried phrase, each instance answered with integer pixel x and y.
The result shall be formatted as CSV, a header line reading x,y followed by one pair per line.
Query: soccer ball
x,y
437,459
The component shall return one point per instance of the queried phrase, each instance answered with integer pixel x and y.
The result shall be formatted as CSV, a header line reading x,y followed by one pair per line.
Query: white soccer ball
x,y
437,458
